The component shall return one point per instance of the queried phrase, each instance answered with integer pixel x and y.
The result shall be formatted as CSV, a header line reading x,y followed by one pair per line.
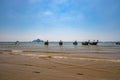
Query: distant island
x,y
37,40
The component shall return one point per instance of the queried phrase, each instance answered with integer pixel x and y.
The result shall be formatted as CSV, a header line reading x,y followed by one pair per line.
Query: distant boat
x,y
46,43
117,43
17,42
86,43
93,43
60,43
37,40
90,43
75,43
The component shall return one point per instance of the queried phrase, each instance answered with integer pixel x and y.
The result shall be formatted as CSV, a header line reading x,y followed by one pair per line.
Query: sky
x,y
54,20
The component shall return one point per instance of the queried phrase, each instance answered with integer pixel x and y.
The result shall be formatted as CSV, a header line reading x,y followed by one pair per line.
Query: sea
x,y
103,50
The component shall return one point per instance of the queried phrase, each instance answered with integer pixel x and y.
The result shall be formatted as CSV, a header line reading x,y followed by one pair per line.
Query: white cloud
x,y
60,1
34,1
48,13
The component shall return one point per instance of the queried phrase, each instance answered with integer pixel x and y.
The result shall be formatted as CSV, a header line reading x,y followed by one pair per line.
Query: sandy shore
x,y
20,67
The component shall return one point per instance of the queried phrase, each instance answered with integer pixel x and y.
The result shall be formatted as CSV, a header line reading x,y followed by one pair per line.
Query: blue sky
x,y
55,20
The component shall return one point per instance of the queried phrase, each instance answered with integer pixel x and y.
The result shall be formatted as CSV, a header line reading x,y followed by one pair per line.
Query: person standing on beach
x,y
60,43
46,43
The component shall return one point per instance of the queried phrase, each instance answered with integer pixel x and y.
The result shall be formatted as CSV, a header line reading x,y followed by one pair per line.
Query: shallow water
x,y
102,50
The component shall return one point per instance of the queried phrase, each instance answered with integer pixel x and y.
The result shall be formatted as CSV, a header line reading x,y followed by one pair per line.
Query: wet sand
x,y
14,66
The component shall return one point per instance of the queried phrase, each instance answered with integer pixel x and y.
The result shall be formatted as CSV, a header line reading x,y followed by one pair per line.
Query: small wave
x,y
46,51
93,59
72,58
17,51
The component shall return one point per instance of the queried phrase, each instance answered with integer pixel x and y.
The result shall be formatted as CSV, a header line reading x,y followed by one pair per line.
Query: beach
x,y
59,63
59,39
